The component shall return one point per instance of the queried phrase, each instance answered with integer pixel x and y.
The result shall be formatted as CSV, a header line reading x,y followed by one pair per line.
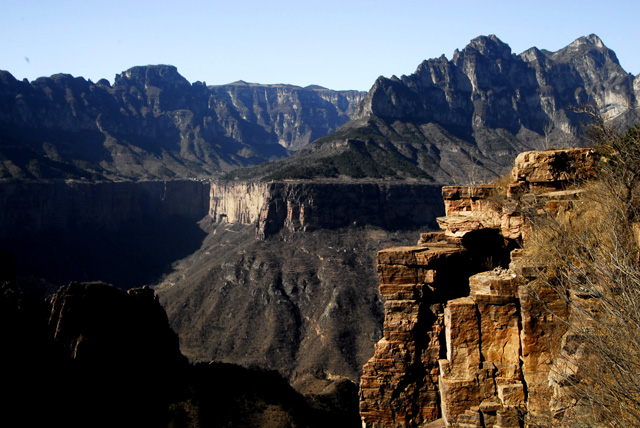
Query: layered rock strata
x,y
465,339
306,206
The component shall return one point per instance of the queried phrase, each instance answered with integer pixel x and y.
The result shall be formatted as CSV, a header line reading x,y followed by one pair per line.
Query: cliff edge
x,y
466,342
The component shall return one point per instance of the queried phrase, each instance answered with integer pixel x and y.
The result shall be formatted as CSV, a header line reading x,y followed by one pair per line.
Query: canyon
x,y
287,272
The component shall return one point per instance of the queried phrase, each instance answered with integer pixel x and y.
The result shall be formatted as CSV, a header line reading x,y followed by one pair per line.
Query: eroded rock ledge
x,y
466,344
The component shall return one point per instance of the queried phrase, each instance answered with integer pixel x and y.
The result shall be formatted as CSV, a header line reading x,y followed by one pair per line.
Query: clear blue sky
x,y
339,44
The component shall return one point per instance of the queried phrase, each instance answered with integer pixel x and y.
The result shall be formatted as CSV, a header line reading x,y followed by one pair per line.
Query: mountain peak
x,y
579,47
594,40
586,42
489,46
155,75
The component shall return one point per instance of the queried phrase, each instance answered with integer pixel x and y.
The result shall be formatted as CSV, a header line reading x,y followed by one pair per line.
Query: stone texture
x,y
399,384
554,169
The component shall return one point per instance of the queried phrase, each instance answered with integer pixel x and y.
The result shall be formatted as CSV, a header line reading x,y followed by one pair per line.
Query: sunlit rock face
x,y
485,85
306,205
464,120
465,340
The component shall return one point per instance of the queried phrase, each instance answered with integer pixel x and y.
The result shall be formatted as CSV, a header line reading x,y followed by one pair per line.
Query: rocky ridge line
x,y
464,120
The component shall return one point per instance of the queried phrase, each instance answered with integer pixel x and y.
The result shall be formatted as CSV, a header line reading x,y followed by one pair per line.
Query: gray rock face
x,y
486,86
153,124
296,116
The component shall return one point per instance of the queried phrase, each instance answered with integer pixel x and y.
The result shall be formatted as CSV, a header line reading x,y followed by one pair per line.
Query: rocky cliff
x,y
485,85
307,206
465,338
463,120
153,124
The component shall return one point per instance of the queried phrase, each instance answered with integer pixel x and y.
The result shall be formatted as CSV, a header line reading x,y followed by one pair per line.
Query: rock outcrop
x,y
465,340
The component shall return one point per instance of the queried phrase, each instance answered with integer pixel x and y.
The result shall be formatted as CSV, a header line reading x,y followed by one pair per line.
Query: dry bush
x,y
588,255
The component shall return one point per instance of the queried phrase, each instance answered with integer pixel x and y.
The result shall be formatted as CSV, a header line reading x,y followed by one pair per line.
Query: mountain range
x,y
464,120
456,120
153,124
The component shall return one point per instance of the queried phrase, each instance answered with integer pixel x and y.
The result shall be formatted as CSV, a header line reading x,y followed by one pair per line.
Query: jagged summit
x,y
591,46
488,46
592,39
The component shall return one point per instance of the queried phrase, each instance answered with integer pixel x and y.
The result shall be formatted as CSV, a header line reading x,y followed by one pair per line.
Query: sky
x,y
338,44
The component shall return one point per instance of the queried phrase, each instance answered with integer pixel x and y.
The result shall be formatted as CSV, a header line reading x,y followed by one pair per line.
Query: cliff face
x,y
31,208
465,339
485,85
153,124
295,116
307,206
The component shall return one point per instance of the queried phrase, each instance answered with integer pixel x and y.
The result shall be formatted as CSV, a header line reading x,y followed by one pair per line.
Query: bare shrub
x,y
588,254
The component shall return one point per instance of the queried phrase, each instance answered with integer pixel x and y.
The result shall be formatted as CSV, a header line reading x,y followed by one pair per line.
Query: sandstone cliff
x,y
465,339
